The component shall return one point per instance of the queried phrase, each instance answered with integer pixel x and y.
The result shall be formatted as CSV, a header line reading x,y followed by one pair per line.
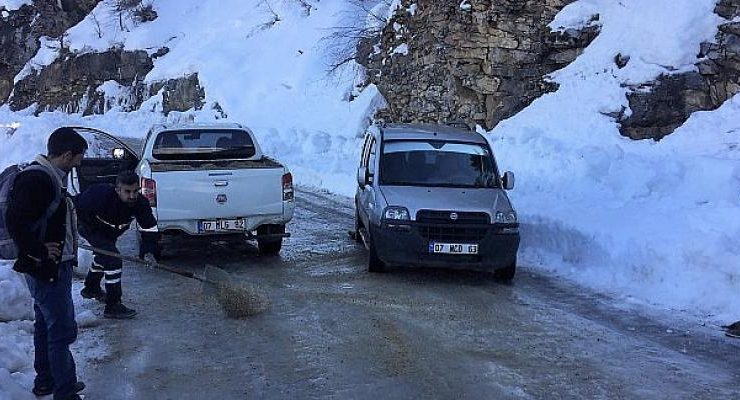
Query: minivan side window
x,y
363,157
371,157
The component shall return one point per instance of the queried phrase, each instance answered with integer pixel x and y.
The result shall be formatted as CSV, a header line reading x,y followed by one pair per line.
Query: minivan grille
x,y
446,217
452,234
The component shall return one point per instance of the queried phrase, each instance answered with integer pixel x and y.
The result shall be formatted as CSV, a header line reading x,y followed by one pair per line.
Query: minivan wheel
x,y
506,274
374,264
358,226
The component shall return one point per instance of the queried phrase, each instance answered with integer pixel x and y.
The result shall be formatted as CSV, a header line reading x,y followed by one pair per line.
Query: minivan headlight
x,y
505,218
396,213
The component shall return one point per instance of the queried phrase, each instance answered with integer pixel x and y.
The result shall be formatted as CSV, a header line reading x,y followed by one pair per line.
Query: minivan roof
x,y
430,131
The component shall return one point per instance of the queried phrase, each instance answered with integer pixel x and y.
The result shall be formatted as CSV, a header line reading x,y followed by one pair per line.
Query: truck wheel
x,y
506,274
270,247
153,244
374,264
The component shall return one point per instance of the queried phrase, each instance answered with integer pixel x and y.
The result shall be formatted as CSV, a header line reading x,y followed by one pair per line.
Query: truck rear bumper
x,y
190,226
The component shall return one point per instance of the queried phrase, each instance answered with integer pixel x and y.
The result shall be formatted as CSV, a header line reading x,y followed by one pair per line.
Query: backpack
x,y
8,248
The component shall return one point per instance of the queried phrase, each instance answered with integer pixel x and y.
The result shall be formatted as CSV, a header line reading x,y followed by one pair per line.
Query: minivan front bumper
x,y
408,243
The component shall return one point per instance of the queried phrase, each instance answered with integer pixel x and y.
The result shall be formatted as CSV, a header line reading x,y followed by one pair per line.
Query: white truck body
x,y
215,196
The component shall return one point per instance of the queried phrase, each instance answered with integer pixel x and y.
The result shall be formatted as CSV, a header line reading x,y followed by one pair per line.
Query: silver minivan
x,y
432,195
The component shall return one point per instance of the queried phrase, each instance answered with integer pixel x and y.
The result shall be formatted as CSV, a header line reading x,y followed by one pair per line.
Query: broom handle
x,y
137,260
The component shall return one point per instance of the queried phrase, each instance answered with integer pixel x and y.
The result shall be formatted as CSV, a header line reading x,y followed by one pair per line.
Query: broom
x,y
237,301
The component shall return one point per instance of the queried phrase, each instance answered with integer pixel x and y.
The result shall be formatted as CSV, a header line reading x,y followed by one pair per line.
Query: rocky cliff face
x,y
20,31
481,62
476,62
88,83
660,107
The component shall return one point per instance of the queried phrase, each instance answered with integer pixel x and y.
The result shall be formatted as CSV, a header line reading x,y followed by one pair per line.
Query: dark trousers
x,y
103,266
54,330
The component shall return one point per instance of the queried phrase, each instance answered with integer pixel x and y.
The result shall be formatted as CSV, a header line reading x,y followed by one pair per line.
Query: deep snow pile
x,y
657,222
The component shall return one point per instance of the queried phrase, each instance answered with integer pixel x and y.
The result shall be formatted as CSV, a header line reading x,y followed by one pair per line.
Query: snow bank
x,y
655,221
16,335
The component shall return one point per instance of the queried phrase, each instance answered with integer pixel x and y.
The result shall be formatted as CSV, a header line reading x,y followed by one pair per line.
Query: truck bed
x,y
190,165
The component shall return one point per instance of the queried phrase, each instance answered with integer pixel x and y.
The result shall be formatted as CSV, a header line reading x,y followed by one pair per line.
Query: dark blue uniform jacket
x,y
103,214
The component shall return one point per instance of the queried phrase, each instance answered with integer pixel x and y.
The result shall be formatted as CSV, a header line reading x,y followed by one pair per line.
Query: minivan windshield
x,y
437,163
191,144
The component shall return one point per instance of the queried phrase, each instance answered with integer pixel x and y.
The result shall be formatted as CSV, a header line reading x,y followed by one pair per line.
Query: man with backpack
x,y
105,213
40,221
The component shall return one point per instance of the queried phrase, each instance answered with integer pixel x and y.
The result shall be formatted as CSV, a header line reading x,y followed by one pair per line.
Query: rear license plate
x,y
222,225
453,248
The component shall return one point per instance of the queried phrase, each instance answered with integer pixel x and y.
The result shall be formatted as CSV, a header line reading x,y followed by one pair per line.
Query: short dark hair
x,y
127,177
65,139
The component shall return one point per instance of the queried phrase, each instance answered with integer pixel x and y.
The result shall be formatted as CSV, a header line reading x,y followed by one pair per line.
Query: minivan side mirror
x,y
508,180
362,177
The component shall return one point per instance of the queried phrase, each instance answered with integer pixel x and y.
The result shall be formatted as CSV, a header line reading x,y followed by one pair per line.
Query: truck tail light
x,y
149,190
287,187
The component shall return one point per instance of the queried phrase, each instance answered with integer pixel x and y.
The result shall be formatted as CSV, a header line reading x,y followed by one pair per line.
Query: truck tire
x,y
506,274
270,247
157,243
374,263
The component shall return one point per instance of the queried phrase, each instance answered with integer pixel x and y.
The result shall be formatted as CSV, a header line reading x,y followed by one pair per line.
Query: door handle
x,y
221,183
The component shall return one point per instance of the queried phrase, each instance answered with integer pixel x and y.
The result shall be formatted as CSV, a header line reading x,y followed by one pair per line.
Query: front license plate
x,y
453,248
222,225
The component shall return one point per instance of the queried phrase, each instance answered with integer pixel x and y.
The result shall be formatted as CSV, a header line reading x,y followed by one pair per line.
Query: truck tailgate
x,y
218,193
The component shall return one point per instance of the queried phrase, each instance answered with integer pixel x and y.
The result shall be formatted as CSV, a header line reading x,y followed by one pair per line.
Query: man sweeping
x,y
105,212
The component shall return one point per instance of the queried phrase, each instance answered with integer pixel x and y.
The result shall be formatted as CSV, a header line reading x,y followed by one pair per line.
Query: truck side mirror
x,y
508,180
118,153
362,177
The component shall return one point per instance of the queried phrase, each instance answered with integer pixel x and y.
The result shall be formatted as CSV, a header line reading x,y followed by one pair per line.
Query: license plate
x,y
453,248
222,225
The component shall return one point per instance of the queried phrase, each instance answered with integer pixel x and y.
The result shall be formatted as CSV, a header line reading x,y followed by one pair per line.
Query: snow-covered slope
x,y
654,222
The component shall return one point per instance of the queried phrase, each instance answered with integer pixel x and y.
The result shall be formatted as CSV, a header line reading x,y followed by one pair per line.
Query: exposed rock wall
x,y
72,83
662,106
64,83
476,62
21,29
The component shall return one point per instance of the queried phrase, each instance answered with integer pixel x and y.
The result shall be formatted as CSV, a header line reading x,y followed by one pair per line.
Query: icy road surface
x,y
336,331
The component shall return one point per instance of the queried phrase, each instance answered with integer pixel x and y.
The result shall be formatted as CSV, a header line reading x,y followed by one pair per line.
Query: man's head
x,y
65,148
127,187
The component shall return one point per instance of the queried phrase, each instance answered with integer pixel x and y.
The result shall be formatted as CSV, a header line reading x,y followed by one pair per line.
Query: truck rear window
x,y
220,144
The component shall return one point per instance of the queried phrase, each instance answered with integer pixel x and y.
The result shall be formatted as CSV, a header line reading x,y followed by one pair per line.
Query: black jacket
x,y
30,197
101,212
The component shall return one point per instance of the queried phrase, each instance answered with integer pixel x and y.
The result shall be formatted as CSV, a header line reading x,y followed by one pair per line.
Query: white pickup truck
x,y
201,180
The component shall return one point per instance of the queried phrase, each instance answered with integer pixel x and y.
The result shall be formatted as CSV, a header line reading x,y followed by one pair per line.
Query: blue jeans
x,y
54,330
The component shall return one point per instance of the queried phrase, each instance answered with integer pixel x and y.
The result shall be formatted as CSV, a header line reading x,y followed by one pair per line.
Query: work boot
x,y
45,389
118,311
91,293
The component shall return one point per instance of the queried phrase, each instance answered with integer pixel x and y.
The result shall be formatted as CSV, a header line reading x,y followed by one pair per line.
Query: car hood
x,y
416,198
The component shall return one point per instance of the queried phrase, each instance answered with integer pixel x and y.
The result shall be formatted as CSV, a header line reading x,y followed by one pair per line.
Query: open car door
x,y
106,156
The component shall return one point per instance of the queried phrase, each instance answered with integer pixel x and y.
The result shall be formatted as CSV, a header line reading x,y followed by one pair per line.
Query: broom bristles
x,y
239,301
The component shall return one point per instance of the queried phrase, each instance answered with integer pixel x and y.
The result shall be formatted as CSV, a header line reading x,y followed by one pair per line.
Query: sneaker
x,y
89,293
41,389
118,311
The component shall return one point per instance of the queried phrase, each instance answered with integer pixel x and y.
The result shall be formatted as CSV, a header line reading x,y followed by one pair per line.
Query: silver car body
x,y
499,234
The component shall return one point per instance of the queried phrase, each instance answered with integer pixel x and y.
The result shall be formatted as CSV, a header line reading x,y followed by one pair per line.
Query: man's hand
x,y
54,250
